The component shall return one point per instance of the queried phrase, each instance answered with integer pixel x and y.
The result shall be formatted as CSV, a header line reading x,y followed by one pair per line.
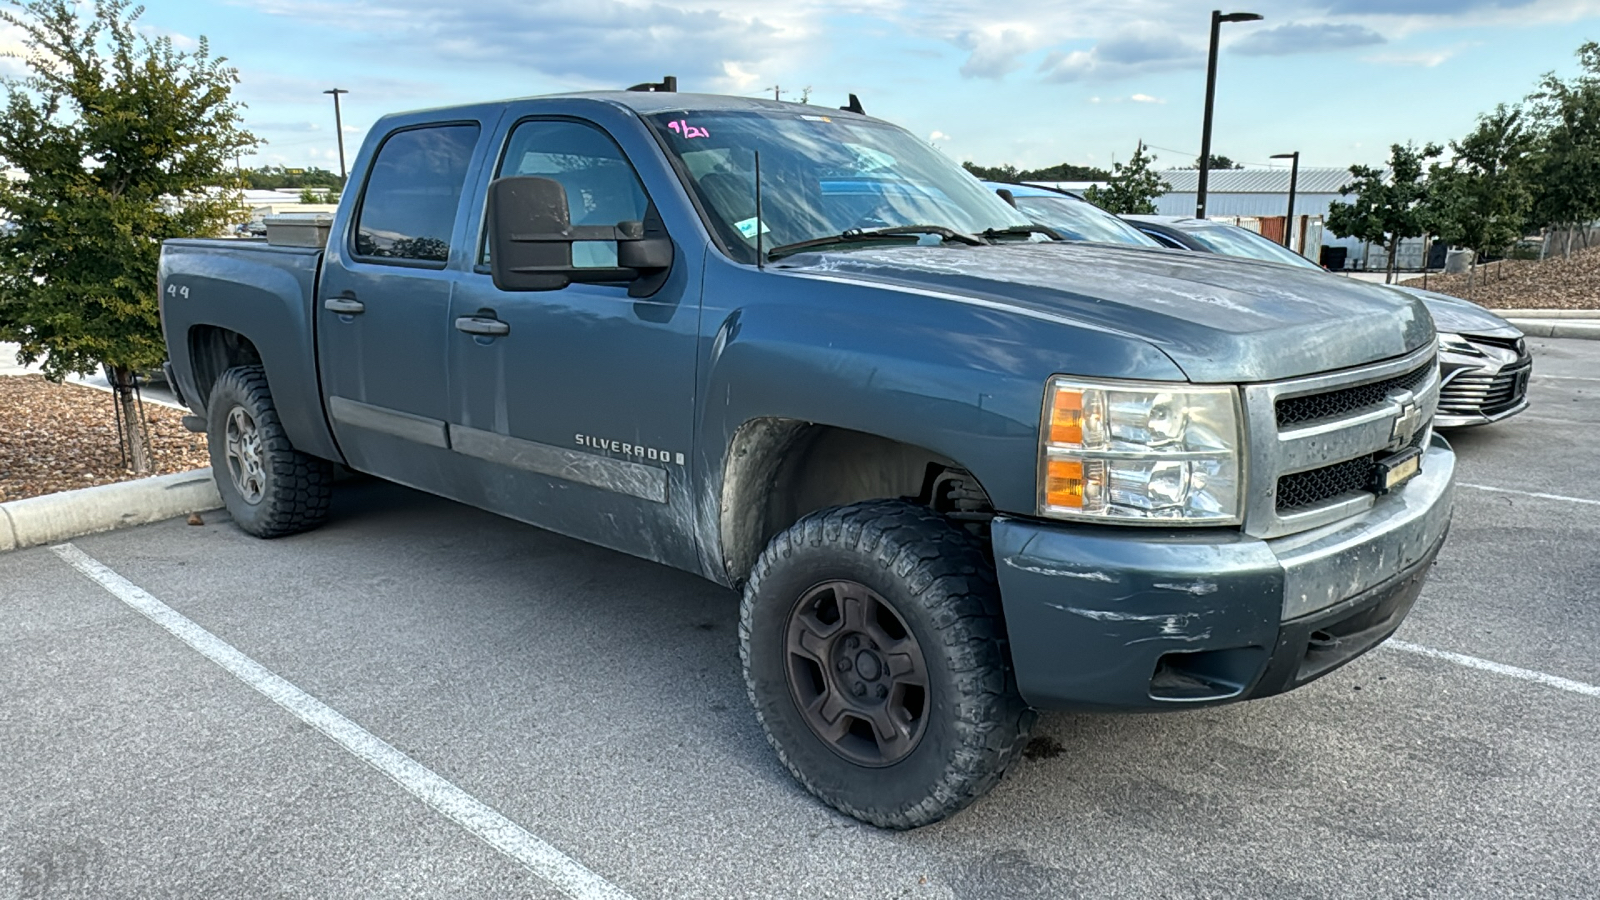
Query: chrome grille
x,y
1474,392
1305,472
1344,401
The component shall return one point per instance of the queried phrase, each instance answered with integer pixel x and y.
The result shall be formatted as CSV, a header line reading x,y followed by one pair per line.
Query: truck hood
x,y
1218,318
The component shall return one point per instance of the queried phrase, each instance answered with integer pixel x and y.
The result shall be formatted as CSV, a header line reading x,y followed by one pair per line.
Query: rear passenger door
x,y
384,304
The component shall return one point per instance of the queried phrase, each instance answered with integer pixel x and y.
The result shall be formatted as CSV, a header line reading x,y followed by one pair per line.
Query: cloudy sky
x,y
1029,82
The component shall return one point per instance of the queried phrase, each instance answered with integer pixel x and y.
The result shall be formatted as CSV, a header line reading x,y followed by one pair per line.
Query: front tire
x,y
874,654
270,488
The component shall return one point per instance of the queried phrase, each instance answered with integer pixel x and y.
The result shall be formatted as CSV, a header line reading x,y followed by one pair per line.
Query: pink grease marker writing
x,y
683,127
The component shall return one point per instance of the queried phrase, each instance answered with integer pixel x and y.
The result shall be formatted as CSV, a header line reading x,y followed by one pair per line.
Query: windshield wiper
x,y
872,234
1023,231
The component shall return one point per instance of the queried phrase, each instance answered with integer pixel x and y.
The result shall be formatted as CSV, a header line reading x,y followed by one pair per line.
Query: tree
x,y
1217,162
1389,207
124,141
1481,200
1566,179
271,178
1057,172
1132,188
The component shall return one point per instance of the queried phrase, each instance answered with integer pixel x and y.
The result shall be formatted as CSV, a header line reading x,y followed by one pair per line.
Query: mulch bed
x,y
1554,283
57,437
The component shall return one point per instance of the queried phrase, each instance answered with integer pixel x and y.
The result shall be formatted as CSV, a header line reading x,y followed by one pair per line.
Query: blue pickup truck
x,y
960,470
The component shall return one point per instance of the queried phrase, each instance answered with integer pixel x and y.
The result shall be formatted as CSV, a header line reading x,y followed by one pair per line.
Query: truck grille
x,y
1479,393
1343,402
1306,489
1316,441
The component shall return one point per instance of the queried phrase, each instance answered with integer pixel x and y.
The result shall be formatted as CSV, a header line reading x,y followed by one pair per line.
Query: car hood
x,y
1219,319
1456,316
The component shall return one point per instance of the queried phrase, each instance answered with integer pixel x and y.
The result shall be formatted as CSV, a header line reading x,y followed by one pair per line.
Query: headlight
x,y
1455,343
1119,451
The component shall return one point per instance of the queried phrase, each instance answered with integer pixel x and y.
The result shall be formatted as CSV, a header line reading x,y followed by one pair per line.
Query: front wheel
x,y
874,653
270,488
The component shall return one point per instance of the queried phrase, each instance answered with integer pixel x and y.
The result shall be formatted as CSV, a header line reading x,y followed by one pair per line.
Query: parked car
x,y
1483,359
959,471
1073,217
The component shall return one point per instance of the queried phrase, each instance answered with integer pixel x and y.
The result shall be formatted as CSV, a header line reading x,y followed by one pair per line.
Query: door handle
x,y
344,305
482,326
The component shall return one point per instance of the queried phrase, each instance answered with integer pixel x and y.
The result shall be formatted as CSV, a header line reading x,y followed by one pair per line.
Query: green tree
x,y
1217,162
123,141
1132,188
1058,172
1566,165
1389,206
272,178
1481,199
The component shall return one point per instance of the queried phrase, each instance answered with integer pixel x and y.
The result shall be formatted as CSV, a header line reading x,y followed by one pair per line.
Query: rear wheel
x,y
269,488
874,653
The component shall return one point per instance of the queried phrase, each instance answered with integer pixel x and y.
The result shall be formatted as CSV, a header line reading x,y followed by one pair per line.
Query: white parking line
x,y
1496,490
1473,662
561,871
1566,377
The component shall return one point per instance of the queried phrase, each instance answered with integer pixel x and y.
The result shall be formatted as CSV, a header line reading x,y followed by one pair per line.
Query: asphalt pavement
x,y
591,705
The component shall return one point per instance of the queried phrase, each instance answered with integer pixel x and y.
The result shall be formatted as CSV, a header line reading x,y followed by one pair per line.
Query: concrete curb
x,y
70,514
1588,329
1548,313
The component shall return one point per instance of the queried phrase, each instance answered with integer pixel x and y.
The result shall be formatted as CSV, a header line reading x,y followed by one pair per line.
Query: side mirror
x,y
531,236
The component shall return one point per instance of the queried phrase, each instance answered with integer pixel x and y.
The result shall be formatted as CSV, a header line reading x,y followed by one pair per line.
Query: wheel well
x,y
214,350
778,470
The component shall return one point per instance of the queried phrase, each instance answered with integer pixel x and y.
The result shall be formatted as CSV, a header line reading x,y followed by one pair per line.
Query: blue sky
x,y
1028,82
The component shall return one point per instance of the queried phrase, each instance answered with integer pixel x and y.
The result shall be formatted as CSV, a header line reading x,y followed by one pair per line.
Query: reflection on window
x,y
409,208
1080,220
601,186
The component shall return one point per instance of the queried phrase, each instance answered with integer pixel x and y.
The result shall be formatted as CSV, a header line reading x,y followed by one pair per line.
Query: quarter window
x,y
409,208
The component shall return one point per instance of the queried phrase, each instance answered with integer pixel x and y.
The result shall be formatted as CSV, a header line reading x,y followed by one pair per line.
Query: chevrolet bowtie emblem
x,y
1408,422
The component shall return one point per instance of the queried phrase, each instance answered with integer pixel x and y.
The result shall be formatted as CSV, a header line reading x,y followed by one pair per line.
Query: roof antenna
x,y
667,85
761,255
1007,196
855,106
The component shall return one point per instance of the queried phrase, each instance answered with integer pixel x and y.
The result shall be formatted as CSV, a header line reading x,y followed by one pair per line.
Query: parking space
x,y
595,701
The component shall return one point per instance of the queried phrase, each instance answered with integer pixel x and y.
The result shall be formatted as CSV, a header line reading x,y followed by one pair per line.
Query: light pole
x,y
1294,176
338,127
1217,18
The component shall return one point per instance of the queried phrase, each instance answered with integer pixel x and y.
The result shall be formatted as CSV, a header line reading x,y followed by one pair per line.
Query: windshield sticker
x,y
748,228
816,118
683,127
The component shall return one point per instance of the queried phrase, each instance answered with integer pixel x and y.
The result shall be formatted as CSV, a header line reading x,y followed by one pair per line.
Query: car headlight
x,y
1166,453
1455,343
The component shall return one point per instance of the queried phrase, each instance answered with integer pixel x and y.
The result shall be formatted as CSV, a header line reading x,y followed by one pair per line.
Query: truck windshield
x,y
821,176
1080,220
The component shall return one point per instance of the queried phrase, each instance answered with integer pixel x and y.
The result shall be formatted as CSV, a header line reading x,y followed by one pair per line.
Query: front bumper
x,y
1128,618
1484,390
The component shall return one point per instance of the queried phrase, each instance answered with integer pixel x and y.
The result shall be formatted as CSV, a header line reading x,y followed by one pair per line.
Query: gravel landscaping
x,y
57,437
1555,283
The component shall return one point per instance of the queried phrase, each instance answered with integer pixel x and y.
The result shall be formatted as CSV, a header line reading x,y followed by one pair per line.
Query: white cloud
x,y
1137,49
1146,98
1422,58
997,49
938,136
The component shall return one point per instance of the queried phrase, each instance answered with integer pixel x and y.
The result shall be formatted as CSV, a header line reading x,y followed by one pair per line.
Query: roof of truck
x,y
651,102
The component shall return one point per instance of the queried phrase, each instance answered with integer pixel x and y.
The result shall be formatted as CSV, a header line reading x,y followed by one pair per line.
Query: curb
x,y
1548,313
70,514
1587,329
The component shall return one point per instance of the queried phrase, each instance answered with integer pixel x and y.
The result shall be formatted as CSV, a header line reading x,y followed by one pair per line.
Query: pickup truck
x,y
960,471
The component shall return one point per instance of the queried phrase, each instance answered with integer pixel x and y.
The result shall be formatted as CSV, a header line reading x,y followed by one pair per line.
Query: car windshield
x,y
1080,220
1231,240
822,176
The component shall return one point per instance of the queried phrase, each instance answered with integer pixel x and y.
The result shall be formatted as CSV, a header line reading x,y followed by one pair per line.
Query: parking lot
x,y
573,720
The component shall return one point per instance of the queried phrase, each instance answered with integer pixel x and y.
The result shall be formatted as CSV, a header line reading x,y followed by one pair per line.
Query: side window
x,y
408,210
601,186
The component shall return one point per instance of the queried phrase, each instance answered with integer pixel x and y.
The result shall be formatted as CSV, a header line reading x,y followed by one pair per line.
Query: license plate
x,y
1396,471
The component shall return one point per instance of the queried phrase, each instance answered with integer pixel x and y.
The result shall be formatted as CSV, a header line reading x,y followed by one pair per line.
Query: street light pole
x,y
338,127
1217,18
1294,176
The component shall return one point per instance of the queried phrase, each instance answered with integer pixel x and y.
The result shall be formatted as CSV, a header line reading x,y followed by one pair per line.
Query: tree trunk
x,y
122,385
1566,252
1394,254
